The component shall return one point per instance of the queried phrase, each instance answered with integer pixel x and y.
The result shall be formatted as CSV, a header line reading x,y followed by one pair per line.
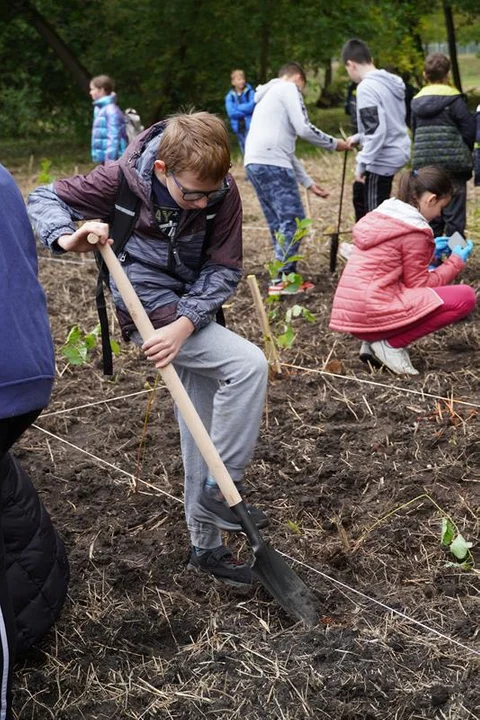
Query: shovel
x,y
335,236
269,567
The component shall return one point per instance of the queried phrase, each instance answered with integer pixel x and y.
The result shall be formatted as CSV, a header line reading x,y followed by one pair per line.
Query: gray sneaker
x,y
395,359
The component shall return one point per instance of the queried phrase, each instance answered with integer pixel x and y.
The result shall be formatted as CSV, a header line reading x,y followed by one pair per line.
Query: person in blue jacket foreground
x,y
26,377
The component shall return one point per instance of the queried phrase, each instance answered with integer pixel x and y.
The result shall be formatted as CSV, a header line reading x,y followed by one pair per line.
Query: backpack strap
x,y
209,223
122,223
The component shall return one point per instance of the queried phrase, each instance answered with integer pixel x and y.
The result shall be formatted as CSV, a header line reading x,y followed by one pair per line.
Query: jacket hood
x,y
432,99
137,162
105,100
392,219
393,82
262,90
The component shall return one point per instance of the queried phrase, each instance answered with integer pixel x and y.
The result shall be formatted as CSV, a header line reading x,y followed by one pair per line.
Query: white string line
x,y
101,402
382,385
66,262
292,559
381,604
134,478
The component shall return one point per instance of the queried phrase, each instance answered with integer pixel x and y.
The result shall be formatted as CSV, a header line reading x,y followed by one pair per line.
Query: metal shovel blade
x,y
276,576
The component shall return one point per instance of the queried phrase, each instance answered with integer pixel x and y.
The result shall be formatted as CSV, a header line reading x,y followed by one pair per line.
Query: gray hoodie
x,y
383,132
280,116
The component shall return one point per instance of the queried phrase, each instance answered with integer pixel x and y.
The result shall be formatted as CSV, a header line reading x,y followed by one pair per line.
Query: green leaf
x,y
74,335
448,531
294,527
310,317
286,339
460,547
90,340
74,354
115,347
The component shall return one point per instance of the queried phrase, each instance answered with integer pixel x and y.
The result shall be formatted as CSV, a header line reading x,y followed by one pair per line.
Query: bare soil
x,y
355,470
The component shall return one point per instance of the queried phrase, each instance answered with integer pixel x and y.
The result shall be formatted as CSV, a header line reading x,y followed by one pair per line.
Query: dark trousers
x,y
10,430
358,198
454,216
377,188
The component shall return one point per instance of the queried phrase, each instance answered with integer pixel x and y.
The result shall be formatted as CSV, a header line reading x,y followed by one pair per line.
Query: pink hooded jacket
x,y
386,283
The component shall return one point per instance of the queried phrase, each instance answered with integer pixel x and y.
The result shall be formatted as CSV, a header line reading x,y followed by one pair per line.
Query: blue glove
x,y
441,247
463,252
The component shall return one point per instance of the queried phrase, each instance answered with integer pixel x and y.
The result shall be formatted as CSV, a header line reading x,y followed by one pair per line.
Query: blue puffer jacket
x,y
240,107
27,363
109,136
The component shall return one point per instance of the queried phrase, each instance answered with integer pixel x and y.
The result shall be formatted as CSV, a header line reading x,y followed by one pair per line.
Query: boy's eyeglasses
x,y
192,195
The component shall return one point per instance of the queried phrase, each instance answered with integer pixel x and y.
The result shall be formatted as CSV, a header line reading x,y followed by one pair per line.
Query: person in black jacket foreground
x,y
34,586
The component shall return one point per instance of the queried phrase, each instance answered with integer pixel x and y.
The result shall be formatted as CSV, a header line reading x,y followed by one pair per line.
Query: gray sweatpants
x,y
226,379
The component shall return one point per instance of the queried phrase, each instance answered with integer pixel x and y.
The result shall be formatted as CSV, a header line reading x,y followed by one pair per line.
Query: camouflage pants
x,y
279,198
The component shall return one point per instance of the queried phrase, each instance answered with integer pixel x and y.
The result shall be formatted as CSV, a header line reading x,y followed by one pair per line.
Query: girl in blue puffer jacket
x,y
109,136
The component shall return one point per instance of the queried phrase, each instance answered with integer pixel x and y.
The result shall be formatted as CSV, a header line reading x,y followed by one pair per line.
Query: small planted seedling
x,y
283,322
456,543
45,176
286,339
78,345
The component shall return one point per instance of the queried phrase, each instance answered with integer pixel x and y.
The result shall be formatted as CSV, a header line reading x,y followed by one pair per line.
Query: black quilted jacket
x,y
36,562
443,130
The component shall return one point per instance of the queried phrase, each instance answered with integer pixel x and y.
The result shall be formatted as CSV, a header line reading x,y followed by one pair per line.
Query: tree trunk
x,y
452,45
64,53
264,42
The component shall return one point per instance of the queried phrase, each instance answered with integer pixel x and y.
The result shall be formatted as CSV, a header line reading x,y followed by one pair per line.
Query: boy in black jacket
x,y
443,135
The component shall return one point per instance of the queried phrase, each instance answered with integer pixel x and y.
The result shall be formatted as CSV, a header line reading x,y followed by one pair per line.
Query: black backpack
x,y
122,224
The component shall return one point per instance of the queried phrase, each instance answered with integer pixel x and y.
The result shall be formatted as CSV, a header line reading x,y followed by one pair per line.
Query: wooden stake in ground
x,y
269,342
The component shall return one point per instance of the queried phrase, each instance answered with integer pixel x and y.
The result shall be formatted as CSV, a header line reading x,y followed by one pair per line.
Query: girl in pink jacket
x,y
387,296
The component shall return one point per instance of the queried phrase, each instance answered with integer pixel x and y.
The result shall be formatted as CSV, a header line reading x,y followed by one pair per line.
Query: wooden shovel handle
x,y
170,377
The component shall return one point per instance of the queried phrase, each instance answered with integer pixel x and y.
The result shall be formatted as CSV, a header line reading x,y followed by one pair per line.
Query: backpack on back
x,y
133,124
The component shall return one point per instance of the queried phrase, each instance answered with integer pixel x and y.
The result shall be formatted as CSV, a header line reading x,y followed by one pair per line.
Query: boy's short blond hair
x,y
237,71
197,142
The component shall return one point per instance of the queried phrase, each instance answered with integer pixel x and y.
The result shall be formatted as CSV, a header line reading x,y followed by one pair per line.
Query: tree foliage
x,y
179,53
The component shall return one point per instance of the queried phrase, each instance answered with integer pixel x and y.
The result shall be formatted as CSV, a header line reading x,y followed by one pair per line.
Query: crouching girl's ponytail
x,y
413,183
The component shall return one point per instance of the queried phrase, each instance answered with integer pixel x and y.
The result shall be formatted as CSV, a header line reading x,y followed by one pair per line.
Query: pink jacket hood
x,y
392,219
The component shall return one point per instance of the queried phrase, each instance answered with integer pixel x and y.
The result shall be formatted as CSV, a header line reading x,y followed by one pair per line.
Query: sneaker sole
x,y
201,514
220,580
398,373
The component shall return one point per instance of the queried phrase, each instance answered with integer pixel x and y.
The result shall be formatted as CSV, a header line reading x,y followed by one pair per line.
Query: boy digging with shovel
x,y
183,272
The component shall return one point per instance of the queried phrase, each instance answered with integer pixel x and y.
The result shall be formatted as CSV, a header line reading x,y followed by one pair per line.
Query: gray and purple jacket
x,y
210,271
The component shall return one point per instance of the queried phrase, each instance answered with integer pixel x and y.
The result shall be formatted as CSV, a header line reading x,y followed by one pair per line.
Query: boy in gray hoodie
x,y
383,132
279,118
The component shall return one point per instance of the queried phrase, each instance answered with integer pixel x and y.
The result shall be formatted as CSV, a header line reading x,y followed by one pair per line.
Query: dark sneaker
x,y
366,355
222,565
218,513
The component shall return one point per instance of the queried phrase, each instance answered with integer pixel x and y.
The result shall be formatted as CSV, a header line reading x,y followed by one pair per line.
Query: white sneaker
x,y
395,359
